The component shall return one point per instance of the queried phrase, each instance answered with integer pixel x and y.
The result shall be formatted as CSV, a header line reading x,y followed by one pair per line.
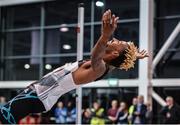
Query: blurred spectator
x,y
31,119
149,113
86,116
122,114
2,100
97,114
60,113
71,113
171,112
139,111
131,110
112,111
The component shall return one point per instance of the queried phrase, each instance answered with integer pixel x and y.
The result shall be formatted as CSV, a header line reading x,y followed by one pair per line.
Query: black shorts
x,y
20,106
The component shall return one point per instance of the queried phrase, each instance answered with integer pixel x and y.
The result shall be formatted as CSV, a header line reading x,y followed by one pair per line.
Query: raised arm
x,y
109,24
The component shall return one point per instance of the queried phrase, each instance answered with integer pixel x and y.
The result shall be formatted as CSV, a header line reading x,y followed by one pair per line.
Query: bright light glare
x,y
66,46
26,66
64,28
99,4
48,66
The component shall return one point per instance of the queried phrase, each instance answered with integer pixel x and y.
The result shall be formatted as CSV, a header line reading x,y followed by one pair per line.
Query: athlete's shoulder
x,y
84,64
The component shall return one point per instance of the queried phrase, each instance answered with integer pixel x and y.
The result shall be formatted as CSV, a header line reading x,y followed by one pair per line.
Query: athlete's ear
x,y
115,53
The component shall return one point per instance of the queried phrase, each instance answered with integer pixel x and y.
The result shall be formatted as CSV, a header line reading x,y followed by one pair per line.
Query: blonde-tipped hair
x,y
130,55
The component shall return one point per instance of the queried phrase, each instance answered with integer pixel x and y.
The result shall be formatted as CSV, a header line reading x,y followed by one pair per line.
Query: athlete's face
x,y
114,49
116,45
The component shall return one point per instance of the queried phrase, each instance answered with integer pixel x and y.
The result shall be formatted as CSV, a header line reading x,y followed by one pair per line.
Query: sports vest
x,y
55,84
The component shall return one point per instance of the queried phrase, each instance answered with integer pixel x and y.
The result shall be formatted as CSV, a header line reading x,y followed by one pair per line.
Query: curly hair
x,y
127,58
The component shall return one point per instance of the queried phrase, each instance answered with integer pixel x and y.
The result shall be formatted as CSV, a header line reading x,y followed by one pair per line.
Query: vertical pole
x,y
146,42
2,23
41,63
92,25
80,33
1,44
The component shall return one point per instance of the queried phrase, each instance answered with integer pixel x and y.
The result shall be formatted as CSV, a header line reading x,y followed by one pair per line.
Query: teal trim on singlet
x,y
6,111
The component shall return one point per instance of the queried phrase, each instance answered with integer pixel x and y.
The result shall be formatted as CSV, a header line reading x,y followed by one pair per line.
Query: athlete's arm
x,y
95,68
109,24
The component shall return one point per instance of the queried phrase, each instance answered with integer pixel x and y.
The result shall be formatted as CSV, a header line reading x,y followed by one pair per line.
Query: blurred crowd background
x,y
118,112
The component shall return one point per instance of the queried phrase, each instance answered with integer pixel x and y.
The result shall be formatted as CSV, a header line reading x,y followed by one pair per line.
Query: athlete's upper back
x,y
64,79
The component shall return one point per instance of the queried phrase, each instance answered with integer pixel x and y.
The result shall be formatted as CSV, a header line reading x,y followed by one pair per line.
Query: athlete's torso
x,y
59,82
55,84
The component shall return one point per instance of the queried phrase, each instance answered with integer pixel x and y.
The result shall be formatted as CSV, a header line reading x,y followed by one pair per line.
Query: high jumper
x,y
106,55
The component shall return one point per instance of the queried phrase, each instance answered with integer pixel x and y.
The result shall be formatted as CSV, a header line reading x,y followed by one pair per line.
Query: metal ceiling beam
x,y
167,82
18,2
158,98
166,45
173,82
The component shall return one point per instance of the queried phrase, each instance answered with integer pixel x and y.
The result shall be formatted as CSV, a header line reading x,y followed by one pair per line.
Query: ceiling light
x,y
64,28
48,67
26,66
66,46
99,4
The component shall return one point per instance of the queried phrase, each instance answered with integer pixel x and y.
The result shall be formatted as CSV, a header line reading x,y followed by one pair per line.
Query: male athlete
x,y
43,94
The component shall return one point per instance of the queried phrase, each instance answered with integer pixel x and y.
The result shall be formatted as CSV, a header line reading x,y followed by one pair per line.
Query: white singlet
x,y
55,84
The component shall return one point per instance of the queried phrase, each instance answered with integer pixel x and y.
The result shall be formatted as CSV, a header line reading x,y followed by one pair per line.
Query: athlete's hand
x,y
142,54
109,24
